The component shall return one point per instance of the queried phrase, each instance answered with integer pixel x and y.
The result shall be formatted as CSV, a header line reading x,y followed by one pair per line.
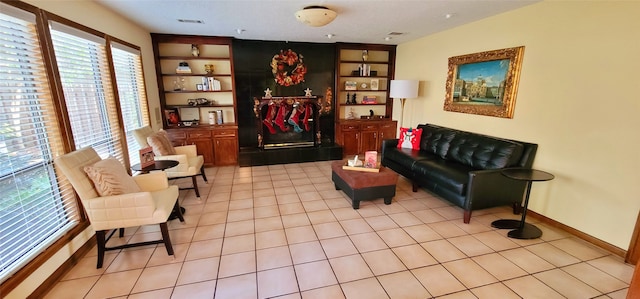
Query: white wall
x,y
577,100
92,15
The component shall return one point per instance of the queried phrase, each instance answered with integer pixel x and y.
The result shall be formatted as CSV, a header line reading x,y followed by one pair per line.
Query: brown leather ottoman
x,y
360,185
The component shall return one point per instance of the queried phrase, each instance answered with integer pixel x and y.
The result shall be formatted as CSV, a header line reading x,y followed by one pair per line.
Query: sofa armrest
x,y
152,181
489,188
386,144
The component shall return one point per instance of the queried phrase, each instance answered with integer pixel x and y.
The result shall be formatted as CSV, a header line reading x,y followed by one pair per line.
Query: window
x,y
86,82
131,92
34,209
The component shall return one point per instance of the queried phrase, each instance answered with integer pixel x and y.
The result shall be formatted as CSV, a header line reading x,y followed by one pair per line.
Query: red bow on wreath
x,y
281,67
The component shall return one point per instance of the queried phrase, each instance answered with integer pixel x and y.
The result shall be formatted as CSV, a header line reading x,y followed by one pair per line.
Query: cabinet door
x,y
350,142
205,148
368,141
387,131
226,152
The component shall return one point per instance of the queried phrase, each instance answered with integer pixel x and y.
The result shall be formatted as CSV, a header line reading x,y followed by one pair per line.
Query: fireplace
x,y
287,122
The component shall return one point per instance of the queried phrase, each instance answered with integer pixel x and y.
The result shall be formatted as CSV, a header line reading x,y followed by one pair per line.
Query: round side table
x,y
157,165
523,230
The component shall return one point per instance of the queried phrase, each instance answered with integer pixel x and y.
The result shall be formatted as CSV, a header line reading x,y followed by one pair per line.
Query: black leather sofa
x,y
462,167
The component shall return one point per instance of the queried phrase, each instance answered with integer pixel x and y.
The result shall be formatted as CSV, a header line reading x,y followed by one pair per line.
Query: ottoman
x,y
360,185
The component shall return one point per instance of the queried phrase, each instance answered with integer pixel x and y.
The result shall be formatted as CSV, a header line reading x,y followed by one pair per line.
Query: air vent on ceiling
x,y
395,33
190,21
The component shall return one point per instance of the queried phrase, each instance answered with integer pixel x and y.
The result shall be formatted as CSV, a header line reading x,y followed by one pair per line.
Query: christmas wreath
x,y
288,68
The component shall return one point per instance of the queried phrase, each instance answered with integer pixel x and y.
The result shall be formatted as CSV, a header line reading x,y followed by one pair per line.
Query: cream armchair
x,y
152,205
190,164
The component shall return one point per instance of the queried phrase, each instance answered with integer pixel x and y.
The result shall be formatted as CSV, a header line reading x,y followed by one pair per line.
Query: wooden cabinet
x,y
359,136
195,80
217,145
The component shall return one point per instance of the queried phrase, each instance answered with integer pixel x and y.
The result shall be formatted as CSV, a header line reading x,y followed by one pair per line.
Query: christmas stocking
x,y
295,117
271,113
280,117
307,113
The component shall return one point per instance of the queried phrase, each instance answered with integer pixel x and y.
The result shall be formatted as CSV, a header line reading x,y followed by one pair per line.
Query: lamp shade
x,y
403,89
316,16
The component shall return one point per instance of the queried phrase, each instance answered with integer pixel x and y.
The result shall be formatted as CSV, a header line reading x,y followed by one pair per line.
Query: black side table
x,y
522,229
157,165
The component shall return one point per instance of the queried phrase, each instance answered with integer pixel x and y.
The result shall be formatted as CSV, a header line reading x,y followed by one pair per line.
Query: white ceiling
x,y
358,21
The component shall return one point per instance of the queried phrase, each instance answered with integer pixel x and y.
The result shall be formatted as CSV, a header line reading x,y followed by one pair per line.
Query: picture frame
x,y
484,83
199,87
172,116
147,157
374,84
190,114
350,85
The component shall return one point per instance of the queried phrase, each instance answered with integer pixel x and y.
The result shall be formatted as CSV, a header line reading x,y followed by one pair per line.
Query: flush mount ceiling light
x,y
316,16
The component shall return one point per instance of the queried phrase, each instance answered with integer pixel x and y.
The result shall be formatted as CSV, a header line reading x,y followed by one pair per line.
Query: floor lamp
x,y
403,90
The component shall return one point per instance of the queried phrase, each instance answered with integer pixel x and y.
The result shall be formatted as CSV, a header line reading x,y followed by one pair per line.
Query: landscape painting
x,y
484,83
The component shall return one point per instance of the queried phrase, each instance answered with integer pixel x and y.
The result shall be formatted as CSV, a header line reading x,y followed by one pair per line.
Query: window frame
x,y
43,18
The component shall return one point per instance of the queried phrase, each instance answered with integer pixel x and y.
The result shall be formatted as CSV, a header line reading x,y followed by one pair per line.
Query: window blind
x,y
84,74
132,94
35,209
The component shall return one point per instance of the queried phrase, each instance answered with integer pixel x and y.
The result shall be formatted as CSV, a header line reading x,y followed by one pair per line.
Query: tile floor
x,y
283,231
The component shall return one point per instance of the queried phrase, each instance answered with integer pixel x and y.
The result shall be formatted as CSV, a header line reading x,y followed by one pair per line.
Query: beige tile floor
x,y
283,231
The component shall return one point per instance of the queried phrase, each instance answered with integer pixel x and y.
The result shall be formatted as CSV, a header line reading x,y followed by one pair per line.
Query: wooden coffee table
x,y
360,185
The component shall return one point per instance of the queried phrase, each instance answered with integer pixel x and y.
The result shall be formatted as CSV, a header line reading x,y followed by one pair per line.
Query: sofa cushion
x,y
450,175
410,138
484,152
435,140
406,156
161,144
110,178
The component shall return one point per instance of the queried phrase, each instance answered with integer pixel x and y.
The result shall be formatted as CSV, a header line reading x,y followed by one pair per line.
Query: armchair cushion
x,y
110,178
161,144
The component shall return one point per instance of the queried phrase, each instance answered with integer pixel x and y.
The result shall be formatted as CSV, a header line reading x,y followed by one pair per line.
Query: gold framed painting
x,y
484,83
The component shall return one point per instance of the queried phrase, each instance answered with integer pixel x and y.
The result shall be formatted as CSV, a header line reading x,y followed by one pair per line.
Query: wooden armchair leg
x,y
100,239
177,210
165,237
204,176
195,186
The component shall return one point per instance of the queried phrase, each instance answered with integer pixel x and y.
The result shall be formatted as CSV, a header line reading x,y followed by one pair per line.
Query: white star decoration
x,y
307,92
267,93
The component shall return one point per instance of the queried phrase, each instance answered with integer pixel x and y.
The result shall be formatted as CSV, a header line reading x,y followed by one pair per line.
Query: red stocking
x,y
280,118
271,113
294,118
307,113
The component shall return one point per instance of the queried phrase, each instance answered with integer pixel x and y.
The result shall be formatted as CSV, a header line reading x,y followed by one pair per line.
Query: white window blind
x,y
132,94
84,72
35,210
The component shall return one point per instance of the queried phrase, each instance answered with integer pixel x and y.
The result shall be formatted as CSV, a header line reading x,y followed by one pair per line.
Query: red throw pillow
x,y
410,138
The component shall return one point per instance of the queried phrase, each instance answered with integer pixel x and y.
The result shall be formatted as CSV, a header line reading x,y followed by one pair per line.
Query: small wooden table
x,y
360,185
523,230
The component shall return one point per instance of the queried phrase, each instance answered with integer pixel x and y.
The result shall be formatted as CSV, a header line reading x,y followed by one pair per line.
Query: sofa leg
x,y
467,216
414,187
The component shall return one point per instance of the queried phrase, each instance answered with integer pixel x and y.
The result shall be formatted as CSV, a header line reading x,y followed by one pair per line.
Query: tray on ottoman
x,y
364,185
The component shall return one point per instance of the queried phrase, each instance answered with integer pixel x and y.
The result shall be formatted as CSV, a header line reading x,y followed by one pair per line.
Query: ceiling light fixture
x,y
240,31
330,35
388,38
316,16
190,21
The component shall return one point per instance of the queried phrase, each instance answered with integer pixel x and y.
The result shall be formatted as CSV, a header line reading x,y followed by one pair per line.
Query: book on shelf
x,y
350,85
370,100
183,70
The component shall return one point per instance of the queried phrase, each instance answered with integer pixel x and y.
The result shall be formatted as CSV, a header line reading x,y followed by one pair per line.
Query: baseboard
x,y
591,239
50,282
